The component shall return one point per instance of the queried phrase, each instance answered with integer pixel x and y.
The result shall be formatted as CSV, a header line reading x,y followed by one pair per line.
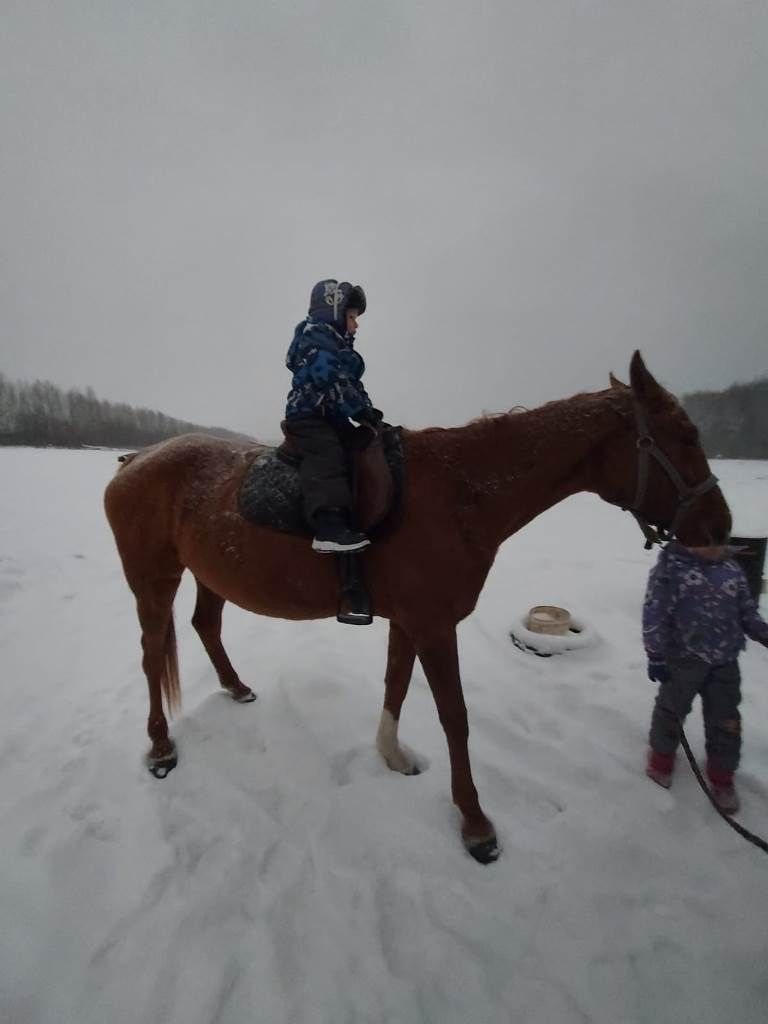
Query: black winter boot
x,y
333,534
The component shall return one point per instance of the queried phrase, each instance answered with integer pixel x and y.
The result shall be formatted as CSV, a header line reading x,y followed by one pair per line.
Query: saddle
x,y
270,494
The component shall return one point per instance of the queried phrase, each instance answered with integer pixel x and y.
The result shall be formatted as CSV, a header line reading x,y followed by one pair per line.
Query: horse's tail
x,y
169,681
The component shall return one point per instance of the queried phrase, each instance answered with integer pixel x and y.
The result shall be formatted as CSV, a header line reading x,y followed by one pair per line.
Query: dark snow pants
x,y
323,470
720,689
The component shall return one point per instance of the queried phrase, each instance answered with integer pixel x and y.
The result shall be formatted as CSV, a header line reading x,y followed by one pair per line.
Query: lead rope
x,y
749,836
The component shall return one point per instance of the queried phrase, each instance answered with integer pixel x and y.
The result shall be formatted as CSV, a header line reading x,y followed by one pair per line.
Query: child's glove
x,y
658,671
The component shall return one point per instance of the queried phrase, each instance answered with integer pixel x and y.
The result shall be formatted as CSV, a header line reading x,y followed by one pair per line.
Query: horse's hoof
x,y
485,851
414,770
245,697
161,766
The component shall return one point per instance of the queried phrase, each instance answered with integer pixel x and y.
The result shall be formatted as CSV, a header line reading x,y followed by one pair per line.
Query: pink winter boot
x,y
660,767
723,790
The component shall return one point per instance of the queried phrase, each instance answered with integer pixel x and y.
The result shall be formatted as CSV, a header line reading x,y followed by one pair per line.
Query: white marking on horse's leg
x,y
389,747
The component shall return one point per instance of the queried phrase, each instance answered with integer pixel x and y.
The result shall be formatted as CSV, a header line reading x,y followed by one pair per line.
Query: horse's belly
x,y
262,571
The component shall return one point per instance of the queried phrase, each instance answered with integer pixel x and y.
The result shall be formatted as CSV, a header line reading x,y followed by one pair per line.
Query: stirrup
x,y
335,547
355,607
359,618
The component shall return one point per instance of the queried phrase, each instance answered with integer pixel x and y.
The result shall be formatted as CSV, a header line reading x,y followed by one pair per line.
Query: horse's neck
x,y
517,465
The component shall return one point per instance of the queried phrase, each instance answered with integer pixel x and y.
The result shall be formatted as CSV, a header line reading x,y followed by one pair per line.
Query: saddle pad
x,y
270,494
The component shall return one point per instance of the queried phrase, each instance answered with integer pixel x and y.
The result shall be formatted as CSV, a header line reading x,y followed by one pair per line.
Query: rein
x,y
749,836
686,496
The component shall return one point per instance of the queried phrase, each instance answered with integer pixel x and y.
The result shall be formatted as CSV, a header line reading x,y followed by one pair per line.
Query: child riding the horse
x,y
697,611
326,393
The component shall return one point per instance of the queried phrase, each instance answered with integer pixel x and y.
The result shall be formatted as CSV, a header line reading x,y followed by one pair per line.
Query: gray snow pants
x,y
720,689
323,471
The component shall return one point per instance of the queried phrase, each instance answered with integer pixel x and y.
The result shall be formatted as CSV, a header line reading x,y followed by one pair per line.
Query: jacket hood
x,y
684,554
330,300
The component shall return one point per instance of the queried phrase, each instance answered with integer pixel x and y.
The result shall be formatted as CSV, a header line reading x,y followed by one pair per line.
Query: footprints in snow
x,y
96,825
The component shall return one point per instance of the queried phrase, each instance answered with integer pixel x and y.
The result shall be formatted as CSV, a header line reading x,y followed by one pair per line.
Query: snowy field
x,y
281,874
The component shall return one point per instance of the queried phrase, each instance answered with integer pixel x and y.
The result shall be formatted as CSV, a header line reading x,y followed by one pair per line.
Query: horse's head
x,y
655,465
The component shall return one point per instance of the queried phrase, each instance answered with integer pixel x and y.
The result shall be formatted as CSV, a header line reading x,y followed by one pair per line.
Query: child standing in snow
x,y
697,611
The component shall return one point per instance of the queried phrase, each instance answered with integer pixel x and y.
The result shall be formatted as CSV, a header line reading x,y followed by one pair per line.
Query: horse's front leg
x,y
400,658
441,664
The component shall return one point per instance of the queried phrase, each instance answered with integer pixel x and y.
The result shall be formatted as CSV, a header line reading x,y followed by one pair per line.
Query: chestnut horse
x,y
174,506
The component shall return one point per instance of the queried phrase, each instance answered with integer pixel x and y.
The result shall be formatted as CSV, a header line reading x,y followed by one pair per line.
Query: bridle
x,y
686,496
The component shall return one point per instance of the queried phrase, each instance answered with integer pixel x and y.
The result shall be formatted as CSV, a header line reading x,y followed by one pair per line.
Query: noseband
x,y
686,496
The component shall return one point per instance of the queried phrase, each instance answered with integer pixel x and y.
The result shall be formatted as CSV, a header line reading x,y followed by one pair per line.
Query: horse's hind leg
x,y
400,658
154,603
207,621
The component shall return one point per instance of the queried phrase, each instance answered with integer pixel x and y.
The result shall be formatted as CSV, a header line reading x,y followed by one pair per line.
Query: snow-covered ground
x,y
283,875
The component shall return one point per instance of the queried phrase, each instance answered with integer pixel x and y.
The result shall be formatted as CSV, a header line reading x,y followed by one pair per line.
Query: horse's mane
x,y
543,422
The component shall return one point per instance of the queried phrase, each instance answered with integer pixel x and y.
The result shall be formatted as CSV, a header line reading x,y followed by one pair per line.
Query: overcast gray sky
x,y
528,190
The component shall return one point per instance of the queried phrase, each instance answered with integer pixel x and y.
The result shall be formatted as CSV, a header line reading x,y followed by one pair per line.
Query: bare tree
x,y
733,423
42,414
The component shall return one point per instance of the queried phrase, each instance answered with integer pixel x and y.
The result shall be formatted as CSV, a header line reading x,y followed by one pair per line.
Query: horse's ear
x,y
644,385
616,384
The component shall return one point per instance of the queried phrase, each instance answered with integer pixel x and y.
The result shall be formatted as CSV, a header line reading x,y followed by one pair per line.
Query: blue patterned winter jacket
x,y
698,606
326,374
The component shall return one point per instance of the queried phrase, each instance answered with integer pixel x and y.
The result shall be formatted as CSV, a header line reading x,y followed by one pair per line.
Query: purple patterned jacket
x,y
699,606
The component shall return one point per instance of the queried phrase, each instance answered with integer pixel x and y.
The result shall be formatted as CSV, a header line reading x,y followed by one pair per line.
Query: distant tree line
x,y
732,423
41,414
